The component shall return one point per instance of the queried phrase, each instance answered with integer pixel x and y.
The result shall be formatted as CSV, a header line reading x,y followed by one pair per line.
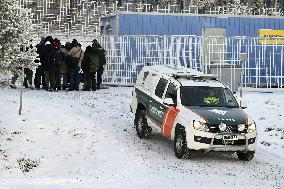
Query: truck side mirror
x,y
243,104
169,102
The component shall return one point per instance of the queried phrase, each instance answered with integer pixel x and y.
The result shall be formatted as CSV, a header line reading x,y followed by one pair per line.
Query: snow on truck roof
x,y
170,70
188,76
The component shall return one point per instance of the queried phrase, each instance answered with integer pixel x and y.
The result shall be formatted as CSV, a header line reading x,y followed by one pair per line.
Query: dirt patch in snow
x,y
27,164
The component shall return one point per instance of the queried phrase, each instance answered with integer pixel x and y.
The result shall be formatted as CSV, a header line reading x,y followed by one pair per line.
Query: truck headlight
x,y
200,126
241,127
251,127
222,127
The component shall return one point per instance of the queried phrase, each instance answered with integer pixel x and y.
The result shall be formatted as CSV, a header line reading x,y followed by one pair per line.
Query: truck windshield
x,y
207,97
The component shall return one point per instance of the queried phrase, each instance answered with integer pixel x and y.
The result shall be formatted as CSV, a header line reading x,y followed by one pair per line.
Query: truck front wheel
x,y
142,128
180,145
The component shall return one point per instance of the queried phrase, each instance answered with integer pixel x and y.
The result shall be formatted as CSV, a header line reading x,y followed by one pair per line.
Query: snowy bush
x,y
16,25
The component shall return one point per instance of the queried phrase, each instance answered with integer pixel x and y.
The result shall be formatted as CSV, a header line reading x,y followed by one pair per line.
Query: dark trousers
x,y
46,79
39,77
52,77
49,77
27,80
90,81
100,72
60,77
74,78
14,79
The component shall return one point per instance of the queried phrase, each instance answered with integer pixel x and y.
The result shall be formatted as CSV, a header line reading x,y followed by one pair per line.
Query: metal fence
x,y
126,55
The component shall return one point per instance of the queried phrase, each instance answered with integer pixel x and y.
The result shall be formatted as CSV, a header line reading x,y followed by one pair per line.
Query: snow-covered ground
x,y
87,140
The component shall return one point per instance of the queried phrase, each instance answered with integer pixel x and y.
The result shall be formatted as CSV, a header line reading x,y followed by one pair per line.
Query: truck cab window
x,y
172,92
160,88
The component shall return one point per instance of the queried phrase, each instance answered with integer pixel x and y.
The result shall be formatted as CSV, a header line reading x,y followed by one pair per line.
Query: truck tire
x,y
245,156
142,128
180,145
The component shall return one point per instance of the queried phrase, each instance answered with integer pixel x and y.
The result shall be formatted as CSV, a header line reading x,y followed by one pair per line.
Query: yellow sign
x,y
271,37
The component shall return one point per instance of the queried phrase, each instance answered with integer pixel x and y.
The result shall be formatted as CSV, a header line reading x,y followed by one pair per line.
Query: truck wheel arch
x,y
140,106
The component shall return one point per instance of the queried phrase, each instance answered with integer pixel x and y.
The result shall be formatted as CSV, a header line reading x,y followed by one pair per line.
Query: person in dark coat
x,y
57,59
39,75
47,52
28,72
90,64
102,61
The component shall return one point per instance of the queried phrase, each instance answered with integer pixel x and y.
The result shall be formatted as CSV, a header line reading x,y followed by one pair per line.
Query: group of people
x,y
60,65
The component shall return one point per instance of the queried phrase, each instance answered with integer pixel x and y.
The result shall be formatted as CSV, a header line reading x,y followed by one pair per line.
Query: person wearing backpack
x,y
63,69
46,61
90,65
102,61
73,60
58,58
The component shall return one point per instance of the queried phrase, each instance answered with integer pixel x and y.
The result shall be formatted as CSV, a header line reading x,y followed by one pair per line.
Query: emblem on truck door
x,y
157,112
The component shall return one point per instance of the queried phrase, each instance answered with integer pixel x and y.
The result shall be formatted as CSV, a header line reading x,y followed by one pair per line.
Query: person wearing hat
x,y
73,60
57,59
46,61
90,64
102,62
39,75
63,69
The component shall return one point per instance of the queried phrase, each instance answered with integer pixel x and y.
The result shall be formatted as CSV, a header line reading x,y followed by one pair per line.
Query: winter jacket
x,y
76,52
90,62
57,59
46,56
63,69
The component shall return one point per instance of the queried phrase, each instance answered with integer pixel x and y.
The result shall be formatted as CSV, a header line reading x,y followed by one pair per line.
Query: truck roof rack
x,y
188,75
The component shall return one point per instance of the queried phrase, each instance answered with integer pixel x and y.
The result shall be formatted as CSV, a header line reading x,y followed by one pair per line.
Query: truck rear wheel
x,y
180,145
142,128
245,156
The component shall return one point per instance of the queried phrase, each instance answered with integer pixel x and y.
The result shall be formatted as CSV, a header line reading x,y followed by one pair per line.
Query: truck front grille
x,y
230,129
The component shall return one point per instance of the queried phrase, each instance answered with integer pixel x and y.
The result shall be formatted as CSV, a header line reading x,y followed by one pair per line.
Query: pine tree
x,y
256,5
15,24
204,5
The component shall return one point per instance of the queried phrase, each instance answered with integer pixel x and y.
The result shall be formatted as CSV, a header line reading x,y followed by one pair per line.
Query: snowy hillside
x,y
87,140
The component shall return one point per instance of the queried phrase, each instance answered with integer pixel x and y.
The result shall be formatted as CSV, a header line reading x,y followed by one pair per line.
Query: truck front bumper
x,y
220,142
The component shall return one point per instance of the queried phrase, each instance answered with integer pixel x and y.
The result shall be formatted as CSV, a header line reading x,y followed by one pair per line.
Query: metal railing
x,y
126,55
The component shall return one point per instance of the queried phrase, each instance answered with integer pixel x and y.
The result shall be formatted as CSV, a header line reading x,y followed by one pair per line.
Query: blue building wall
x,y
181,24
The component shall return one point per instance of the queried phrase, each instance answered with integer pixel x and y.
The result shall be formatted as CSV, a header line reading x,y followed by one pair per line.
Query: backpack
x,y
58,57
94,63
72,61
